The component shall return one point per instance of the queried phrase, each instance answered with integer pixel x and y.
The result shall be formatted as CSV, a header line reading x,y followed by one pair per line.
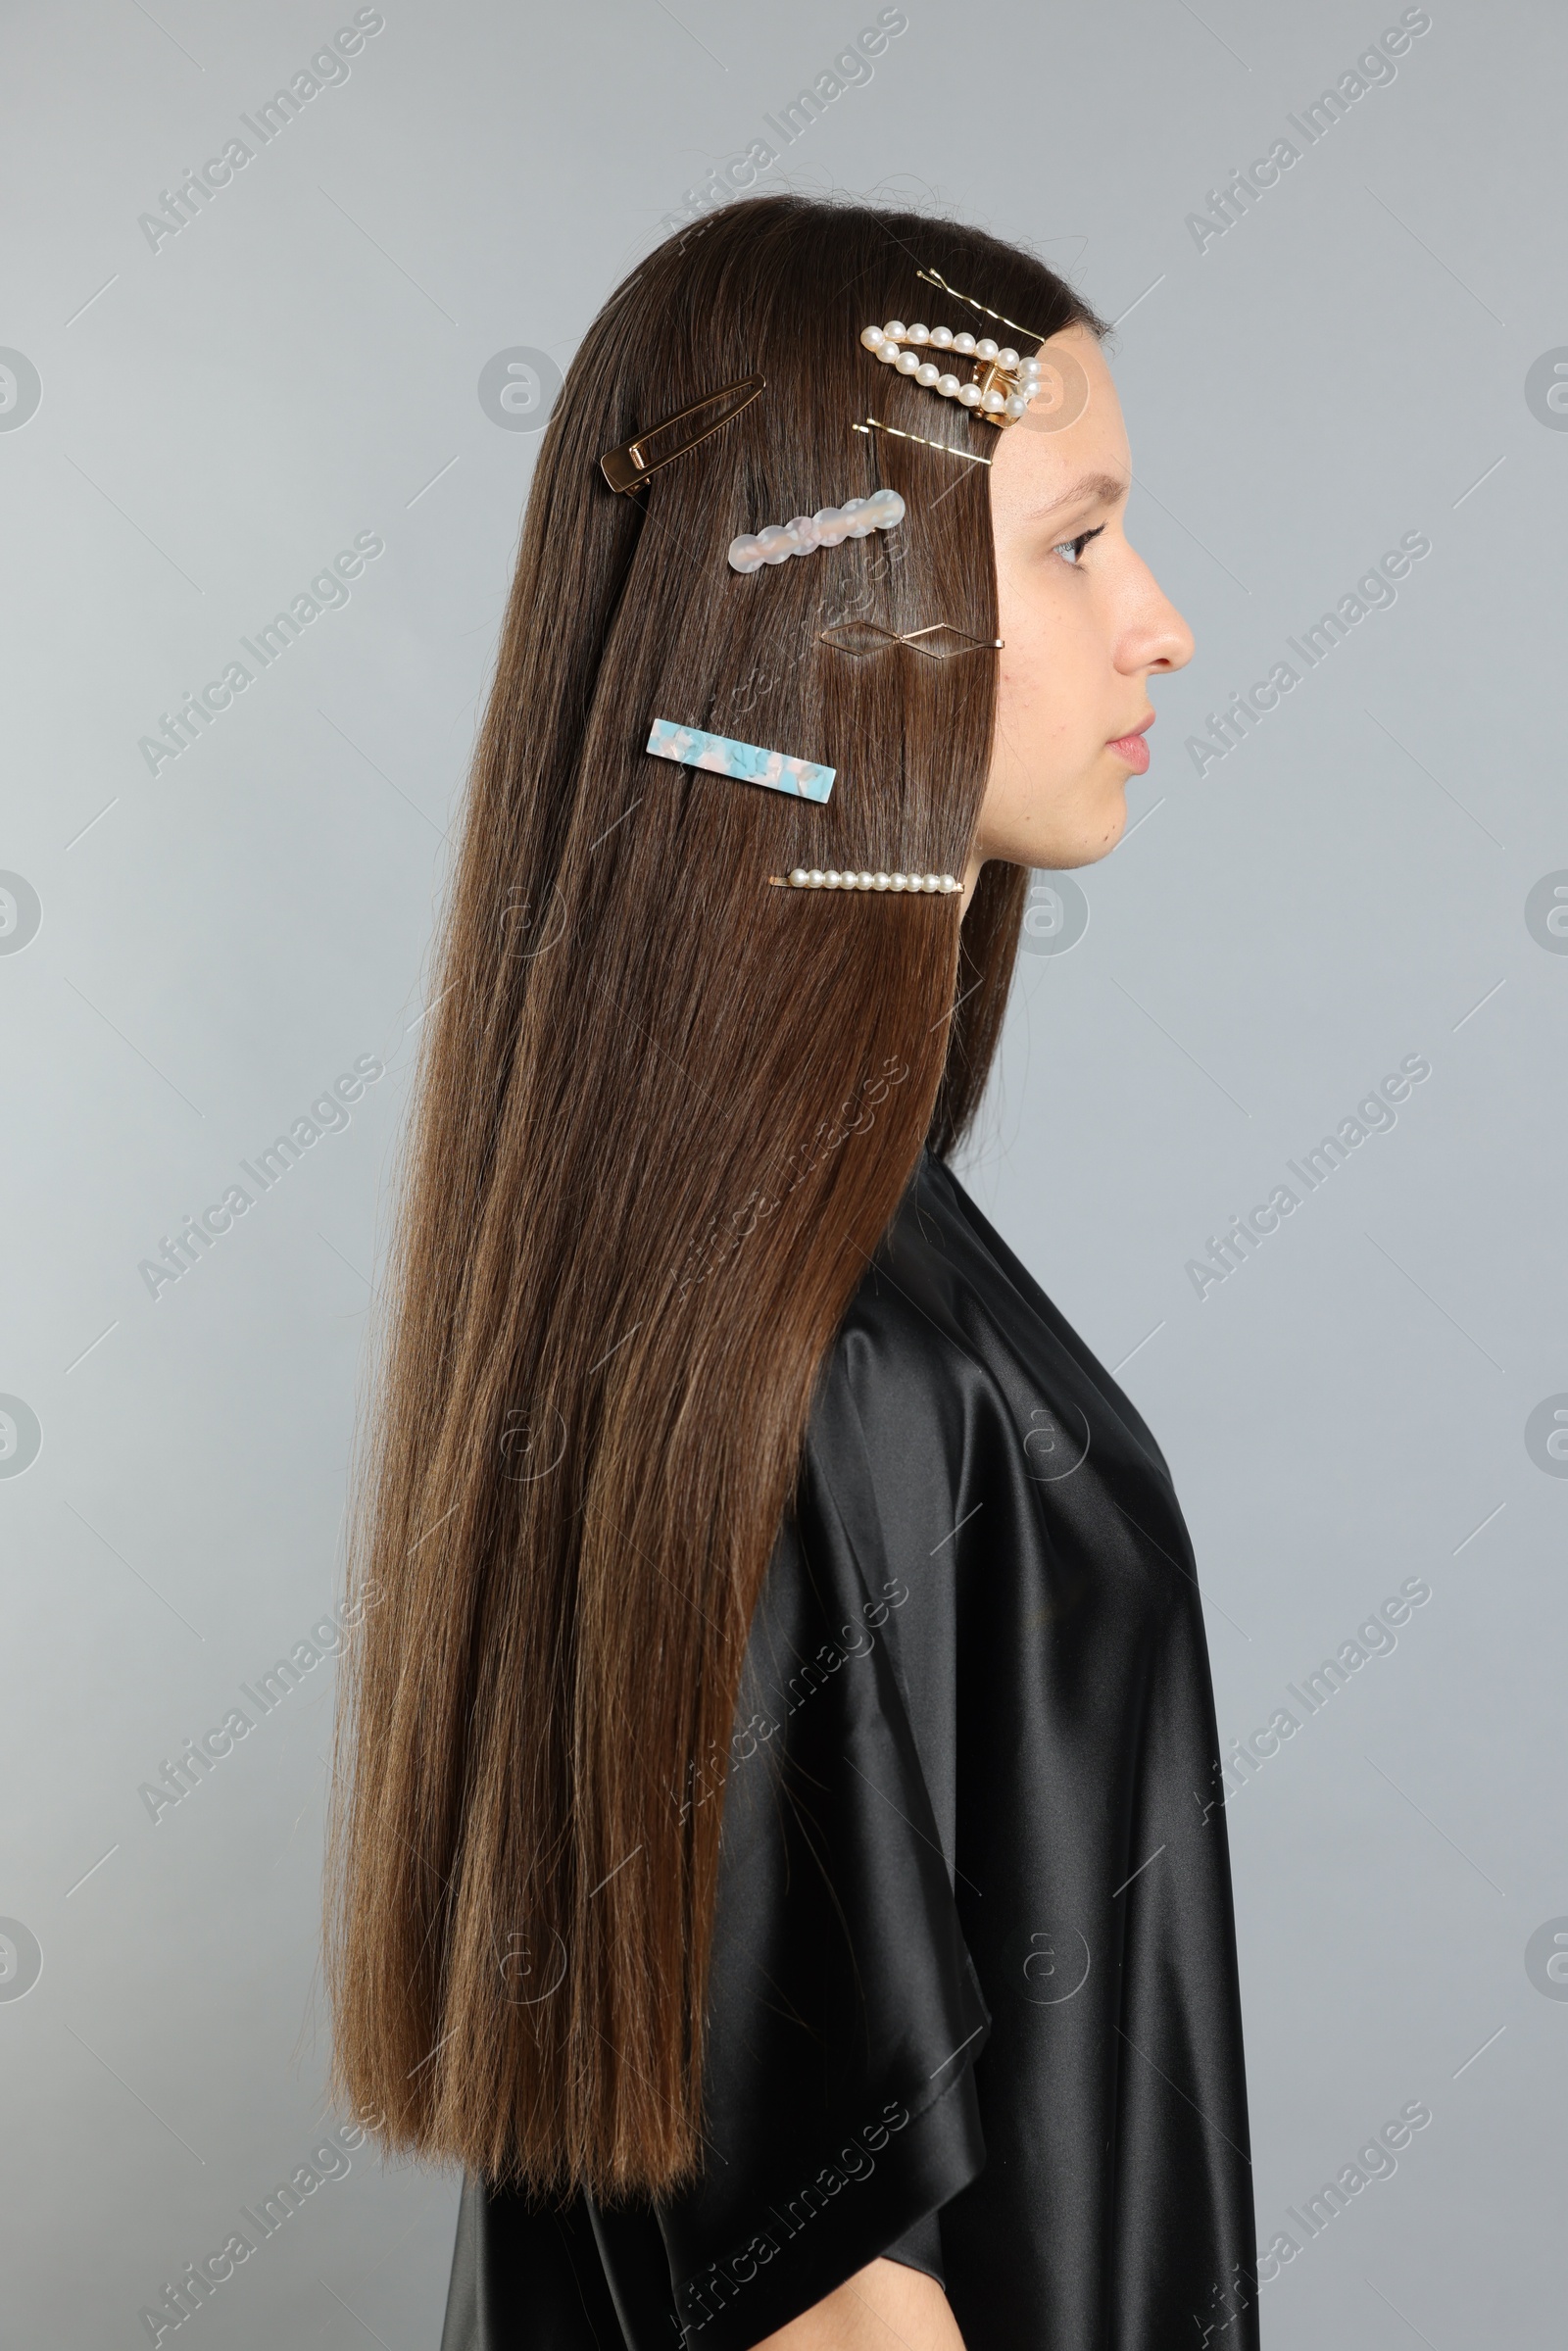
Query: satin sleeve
x,y
845,2014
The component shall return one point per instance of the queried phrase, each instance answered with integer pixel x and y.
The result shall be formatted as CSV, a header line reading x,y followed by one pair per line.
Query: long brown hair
x,y
663,1114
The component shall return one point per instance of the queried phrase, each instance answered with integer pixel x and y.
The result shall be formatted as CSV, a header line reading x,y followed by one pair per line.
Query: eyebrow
x,y
1104,487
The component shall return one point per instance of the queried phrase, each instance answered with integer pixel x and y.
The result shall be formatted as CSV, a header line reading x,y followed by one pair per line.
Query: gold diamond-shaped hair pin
x,y
941,642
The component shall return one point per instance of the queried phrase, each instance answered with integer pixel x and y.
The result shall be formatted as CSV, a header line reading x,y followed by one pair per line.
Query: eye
x,y
1076,546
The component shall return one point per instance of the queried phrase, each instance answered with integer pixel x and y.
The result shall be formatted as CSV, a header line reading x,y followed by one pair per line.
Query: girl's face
x,y
1083,624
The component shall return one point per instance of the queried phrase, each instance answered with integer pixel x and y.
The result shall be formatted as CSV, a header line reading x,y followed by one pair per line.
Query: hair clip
x,y
1001,389
875,423
856,518
745,763
936,885
628,467
850,636
931,278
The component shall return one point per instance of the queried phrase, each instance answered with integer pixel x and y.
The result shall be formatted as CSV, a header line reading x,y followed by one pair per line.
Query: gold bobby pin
x,y
629,467
945,448
932,279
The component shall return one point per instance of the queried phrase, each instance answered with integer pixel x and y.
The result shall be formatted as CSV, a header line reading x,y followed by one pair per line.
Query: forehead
x,y
1036,463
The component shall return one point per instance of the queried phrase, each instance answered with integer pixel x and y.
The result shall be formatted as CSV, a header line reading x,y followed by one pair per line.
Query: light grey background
x,y
300,364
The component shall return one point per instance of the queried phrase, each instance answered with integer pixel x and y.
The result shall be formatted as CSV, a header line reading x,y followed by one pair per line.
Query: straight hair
x,y
664,1113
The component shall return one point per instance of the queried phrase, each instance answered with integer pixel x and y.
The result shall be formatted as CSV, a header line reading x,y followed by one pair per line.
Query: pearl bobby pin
x,y
830,526
1001,389
937,885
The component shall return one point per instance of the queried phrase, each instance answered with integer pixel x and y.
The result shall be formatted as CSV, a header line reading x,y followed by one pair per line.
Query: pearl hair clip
x,y
830,526
1001,387
937,885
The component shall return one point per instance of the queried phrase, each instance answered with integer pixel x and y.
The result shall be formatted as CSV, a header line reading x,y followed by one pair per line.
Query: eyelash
x,y
1078,544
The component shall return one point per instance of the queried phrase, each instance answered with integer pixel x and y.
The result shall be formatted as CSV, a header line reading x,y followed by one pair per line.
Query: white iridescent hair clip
x,y
1001,389
856,518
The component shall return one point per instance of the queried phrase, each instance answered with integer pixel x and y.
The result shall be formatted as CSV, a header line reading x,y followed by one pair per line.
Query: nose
x,y
1177,640
1157,637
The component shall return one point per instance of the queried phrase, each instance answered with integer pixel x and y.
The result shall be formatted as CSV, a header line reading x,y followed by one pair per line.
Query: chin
x,y
1085,828
1104,828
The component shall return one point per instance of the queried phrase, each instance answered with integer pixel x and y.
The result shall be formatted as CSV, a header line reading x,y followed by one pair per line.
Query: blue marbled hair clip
x,y
747,762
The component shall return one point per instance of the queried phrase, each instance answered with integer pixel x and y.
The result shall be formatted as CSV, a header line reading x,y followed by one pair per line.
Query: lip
x,y
1131,747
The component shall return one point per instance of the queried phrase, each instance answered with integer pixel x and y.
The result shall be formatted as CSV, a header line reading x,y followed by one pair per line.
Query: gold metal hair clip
x,y
860,637
946,446
932,279
629,467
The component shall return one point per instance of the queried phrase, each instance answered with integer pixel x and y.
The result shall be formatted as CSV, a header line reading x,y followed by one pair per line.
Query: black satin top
x,y
974,1997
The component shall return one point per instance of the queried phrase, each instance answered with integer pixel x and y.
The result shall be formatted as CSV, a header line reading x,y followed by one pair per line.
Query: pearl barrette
x,y
938,885
830,526
1003,385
